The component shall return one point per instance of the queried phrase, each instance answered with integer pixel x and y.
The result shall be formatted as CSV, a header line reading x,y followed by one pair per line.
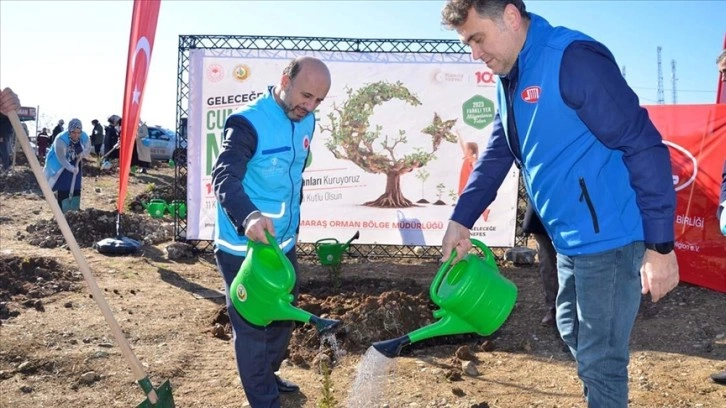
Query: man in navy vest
x,y
258,185
595,169
720,377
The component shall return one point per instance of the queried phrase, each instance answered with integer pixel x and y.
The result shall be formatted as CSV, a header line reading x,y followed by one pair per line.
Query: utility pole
x,y
674,79
661,99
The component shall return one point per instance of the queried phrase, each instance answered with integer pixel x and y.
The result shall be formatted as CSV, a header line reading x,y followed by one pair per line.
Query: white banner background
x,y
223,80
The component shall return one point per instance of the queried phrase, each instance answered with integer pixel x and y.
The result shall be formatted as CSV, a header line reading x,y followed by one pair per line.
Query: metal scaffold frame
x,y
290,43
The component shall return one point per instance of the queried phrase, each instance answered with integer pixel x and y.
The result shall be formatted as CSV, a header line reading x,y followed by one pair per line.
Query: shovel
x,y
156,397
72,203
102,158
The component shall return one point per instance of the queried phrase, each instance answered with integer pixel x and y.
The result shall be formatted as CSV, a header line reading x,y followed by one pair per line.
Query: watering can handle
x,y
489,255
272,242
433,291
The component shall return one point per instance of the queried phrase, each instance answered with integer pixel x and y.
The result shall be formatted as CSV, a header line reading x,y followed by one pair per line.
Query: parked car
x,y
162,143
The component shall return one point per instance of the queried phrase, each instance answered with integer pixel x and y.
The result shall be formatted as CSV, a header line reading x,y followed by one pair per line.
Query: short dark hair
x,y
293,68
455,12
721,57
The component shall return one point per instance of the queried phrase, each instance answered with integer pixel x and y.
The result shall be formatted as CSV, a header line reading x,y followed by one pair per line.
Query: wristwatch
x,y
249,218
661,247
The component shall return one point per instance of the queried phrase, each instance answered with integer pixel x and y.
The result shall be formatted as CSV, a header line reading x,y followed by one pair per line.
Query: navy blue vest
x,y
579,187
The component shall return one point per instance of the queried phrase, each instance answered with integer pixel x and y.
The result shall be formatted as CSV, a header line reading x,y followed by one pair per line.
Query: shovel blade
x,y
71,204
166,400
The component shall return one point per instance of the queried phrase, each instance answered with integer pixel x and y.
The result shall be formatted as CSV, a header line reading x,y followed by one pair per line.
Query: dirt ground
x,y
56,350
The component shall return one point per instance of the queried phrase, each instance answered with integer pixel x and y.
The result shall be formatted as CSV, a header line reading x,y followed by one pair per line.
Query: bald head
x,y
304,85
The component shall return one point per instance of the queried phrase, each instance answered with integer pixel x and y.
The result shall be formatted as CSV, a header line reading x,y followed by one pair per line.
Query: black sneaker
x,y
286,386
719,378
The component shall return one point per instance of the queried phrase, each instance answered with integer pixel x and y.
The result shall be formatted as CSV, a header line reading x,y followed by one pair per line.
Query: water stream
x,y
368,388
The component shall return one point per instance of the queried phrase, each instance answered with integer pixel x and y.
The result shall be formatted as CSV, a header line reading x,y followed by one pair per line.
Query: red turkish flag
x,y
721,90
141,42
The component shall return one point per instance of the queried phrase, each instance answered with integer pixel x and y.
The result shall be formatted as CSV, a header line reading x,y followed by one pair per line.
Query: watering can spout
x,y
354,237
446,326
392,348
324,326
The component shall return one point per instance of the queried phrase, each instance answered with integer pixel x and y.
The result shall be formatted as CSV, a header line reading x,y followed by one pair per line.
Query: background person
x,y
547,257
9,102
97,136
247,185
602,185
141,154
64,160
112,137
720,377
43,140
57,130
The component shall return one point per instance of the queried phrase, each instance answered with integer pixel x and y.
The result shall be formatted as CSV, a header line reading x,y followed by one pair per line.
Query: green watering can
x,y
178,208
473,298
261,291
156,207
330,251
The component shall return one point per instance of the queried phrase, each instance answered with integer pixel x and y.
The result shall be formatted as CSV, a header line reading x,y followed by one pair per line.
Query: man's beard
x,y
290,112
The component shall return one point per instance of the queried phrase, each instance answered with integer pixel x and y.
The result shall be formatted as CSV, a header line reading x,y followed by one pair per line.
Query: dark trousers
x,y
259,350
42,146
62,195
547,268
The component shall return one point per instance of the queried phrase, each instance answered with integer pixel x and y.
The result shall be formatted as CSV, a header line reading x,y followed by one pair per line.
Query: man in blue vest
x,y
595,169
258,184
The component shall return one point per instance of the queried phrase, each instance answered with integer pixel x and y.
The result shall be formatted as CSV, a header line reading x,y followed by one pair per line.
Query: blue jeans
x,y
259,350
597,303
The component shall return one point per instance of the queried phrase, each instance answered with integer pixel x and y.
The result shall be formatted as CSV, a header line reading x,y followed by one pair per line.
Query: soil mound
x,y
24,281
90,226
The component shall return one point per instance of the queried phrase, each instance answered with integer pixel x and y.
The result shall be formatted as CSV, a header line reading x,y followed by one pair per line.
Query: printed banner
x,y
393,138
696,137
26,113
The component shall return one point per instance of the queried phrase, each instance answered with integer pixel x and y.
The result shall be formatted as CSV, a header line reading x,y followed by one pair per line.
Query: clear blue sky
x,y
69,58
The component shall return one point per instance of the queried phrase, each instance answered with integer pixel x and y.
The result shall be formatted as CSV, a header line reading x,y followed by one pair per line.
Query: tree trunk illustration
x,y
393,197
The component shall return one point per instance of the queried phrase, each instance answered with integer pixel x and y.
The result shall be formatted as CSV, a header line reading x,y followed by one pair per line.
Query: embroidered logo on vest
x,y
531,94
306,142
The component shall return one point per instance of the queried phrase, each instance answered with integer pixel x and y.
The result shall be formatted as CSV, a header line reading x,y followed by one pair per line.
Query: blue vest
x,y
273,180
580,188
53,167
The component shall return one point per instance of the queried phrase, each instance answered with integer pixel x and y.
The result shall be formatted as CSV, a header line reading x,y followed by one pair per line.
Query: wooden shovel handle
x,y
136,367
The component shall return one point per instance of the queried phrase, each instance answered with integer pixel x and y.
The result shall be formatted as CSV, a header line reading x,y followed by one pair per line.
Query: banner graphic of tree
x,y
352,139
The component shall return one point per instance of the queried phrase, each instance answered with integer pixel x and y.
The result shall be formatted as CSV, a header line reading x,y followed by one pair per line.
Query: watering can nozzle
x,y
324,326
392,348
